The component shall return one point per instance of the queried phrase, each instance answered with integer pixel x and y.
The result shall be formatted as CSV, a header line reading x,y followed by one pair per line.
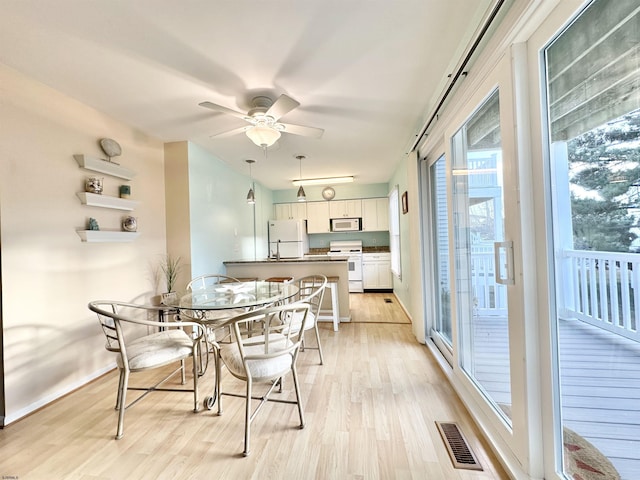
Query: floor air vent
x,y
459,451
388,300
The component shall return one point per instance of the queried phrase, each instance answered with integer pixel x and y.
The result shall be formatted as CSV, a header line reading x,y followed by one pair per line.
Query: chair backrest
x,y
273,338
311,290
113,316
203,281
109,327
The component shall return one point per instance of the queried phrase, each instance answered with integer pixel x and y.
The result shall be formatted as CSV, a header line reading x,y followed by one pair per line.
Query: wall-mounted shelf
x,y
110,236
103,166
105,201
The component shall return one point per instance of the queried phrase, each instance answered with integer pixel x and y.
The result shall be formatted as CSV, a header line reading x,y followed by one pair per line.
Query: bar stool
x,y
334,315
279,279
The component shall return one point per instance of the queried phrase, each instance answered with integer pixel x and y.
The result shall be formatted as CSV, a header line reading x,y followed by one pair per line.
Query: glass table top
x,y
232,295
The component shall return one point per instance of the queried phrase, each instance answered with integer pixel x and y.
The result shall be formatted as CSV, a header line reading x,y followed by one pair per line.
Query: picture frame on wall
x,y
405,203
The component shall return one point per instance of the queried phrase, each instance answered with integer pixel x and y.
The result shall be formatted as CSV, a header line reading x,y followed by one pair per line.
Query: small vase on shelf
x,y
93,224
125,191
93,185
130,224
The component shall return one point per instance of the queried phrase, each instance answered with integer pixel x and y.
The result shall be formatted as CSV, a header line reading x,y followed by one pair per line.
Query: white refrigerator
x,y
288,238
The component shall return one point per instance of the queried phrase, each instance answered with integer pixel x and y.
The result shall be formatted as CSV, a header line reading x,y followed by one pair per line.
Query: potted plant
x,y
170,267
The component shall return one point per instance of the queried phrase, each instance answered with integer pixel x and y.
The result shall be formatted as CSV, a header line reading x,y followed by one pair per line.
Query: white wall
x,y
52,343
402,286
208,218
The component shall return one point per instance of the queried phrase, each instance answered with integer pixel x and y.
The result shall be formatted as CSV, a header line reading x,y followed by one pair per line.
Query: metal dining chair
x,y
310,291
263,357
126,327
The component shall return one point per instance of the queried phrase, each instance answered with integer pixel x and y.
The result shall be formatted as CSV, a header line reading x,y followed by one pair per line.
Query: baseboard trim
x,y
406,312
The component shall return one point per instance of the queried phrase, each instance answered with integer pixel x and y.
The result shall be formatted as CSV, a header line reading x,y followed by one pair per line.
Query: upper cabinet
x,y
290,211
345,208
318,217
375,214
373,211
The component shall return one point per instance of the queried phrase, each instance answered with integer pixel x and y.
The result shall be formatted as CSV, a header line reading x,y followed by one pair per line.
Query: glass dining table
x,y
208,305
225,296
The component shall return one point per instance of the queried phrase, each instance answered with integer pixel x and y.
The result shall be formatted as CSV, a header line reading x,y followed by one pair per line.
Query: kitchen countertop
x,y
312,258
298,268
384,249
324,251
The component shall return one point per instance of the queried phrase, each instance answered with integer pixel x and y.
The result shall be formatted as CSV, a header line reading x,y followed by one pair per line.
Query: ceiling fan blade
x,y
302,130
282,106
220,108
230,133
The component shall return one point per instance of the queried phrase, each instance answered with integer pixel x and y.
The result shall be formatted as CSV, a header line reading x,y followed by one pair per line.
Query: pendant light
x,y
301,195
251,197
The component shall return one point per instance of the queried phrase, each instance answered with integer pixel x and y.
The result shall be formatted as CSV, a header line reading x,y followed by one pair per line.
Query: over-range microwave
x,y
346,224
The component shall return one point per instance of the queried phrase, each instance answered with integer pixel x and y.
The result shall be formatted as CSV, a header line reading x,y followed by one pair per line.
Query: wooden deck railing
x,y
599,288
602,289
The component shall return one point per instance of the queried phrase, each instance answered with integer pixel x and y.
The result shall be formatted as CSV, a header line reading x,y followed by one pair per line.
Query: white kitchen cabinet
x,y
290,211
376,271
345,208
318,217
375,214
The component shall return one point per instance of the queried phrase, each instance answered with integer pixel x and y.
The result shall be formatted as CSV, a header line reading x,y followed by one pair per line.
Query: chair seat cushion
x,y
296,320
158,349
259,369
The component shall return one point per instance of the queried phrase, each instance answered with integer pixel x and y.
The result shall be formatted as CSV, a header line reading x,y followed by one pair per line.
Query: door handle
x,y
504,272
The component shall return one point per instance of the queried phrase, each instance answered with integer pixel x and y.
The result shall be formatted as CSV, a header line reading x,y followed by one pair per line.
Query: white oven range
x,y
352,249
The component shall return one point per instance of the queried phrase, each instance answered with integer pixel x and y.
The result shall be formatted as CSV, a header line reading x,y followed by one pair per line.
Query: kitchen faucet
x,y
277,250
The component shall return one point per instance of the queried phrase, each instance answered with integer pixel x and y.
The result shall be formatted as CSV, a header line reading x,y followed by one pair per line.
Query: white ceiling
x,y
366,71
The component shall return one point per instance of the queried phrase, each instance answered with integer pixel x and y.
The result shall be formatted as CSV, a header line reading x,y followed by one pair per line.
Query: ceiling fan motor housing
x,y
260,106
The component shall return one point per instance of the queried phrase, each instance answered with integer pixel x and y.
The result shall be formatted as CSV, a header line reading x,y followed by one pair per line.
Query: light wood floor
x,y
370,413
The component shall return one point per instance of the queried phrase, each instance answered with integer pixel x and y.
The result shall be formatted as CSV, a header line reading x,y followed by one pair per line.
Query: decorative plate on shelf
x,y
110,147
328,193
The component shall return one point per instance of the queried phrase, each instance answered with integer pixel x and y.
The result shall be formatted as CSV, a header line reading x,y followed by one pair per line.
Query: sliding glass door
x,y
593,108
440,239
483,259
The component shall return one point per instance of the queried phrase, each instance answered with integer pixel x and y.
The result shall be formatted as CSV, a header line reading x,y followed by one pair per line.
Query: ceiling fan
x,y
264,129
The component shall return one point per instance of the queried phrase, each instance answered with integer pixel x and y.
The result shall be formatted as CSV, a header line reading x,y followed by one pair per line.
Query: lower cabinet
x,y
376,271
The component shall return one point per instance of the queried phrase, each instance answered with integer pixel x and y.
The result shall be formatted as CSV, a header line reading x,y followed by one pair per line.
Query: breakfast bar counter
x,y
296,268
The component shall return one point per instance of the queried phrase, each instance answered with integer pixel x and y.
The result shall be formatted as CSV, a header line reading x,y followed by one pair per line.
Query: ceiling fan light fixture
x,y
323,181
263,135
